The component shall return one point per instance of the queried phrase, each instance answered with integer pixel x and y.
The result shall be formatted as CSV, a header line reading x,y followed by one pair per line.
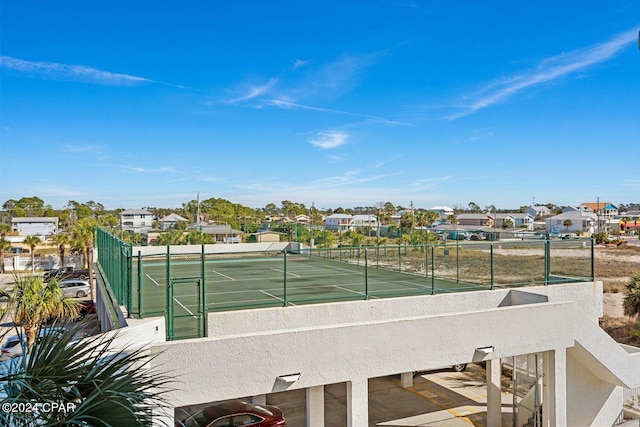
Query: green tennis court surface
x,y
272,281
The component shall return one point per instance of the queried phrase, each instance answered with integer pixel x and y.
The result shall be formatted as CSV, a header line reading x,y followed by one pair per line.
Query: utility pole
x,y
198,210
412,219
598,214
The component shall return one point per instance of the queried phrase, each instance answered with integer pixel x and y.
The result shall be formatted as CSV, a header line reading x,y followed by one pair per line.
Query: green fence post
x,y
169,294
491,261
399,258
426,260
366,275
140,278
593,259
128,279
285,279
203,289
457,261
433,273
547,261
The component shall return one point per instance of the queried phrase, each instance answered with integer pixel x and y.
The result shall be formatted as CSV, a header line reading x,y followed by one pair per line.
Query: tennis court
x,y
183,285
276,280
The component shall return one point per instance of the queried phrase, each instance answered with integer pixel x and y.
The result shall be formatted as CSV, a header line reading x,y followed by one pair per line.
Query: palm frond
x,y
108,386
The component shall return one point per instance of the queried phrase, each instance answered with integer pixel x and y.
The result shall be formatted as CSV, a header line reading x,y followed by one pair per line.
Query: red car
x,y
237,413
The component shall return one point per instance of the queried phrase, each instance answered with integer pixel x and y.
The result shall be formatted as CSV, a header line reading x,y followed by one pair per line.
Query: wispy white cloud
x,y
139,169
548,70
252,92
82,148
320,83
77,73
330,139
631,183
300,63
285,104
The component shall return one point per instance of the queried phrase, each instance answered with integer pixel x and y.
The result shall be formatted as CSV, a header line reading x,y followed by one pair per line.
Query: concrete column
x,y
406,379
315,406
494,393
554,388
358,403
260,399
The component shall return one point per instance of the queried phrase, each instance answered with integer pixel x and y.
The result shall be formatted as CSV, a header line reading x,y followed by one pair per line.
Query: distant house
x,y
302,219
523,220
339,222
538,211
578,208
265,236
503,219
169,221
35,226
580,221
443,212
602,209
222,233
136,220
476,220
369,220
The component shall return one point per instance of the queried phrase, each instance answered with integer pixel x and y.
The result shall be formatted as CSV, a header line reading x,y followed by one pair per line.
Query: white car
x,y
75,288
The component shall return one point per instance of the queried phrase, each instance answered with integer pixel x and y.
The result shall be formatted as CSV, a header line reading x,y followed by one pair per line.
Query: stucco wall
x,y
587,296
352,341
590,401
248,364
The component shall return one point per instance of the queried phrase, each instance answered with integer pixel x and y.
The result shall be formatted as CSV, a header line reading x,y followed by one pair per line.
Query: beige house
x,y
265,237
477,220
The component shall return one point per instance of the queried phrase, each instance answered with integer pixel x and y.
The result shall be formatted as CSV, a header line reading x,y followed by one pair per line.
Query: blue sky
x,y
140,103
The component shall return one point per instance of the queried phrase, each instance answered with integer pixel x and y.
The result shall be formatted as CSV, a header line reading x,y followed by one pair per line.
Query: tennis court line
x,y
183,306
151,278
349,290
271,295
282,271
223,275
343,269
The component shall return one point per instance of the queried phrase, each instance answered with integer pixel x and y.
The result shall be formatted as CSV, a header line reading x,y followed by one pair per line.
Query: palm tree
x,y
197,237
171,237
5,245
103,385
32,241
632,300
4,229
567,223
33,302
431,217
61,240
357,239
82,238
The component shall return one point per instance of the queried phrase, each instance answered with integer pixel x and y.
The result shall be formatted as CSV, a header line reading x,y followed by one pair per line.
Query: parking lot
x,y
438,398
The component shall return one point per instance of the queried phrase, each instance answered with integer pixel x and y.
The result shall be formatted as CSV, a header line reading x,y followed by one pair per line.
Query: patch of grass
x,y
622,329
613,286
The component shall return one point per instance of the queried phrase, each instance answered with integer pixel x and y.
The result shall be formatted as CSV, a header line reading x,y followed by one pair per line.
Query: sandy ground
x,y
613,304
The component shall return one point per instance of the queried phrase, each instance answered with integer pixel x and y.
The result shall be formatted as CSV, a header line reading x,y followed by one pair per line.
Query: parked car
x,y
66,273
15,343
456,368
86,307
75,288
236,413
18,250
